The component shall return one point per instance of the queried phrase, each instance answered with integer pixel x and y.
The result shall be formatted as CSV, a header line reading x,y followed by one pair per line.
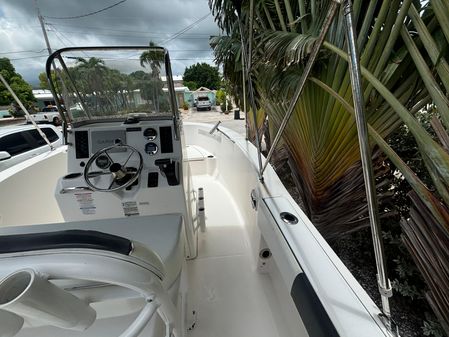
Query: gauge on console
x,y
151,148
150,134
103,162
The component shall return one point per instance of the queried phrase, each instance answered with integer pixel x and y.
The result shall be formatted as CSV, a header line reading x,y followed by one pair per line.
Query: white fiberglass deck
x,y
231,297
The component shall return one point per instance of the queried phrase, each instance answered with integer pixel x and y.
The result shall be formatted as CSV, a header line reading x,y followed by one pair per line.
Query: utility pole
x,y
44,31
56,70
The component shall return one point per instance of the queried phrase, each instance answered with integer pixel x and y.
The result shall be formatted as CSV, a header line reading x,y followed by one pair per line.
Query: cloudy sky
x,y
132,22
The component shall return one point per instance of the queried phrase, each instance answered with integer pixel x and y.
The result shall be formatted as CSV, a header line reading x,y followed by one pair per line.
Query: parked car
x,y
203,103
48,114
5,114
21,142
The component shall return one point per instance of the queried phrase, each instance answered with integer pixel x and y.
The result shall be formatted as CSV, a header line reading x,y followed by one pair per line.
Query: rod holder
x,y
27,294
10,324
215,127
201,210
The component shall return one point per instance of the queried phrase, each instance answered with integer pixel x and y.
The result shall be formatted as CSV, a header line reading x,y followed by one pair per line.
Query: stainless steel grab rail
x,y
75,189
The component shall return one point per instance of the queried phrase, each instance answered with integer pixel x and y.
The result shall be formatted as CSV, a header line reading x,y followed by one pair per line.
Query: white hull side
x,y
234,295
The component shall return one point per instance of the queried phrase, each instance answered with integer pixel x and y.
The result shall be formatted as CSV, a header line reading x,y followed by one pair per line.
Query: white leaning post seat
x,y
100,251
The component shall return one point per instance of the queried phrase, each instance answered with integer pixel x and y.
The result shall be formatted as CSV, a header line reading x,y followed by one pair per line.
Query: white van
x,y
21,142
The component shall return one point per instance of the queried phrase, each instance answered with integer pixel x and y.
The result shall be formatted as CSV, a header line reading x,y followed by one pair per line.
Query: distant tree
x,y
203,74
153,58
138,75
22,89
43,82
153,88
93,71
191,85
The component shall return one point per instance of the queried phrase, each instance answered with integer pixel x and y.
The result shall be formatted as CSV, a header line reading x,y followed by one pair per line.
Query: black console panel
x,y
153,179
166,139
82,144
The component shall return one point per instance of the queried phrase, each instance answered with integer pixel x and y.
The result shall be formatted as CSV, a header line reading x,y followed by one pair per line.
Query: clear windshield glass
x,y
113,83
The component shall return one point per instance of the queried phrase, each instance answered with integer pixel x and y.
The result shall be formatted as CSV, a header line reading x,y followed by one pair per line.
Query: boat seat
x,y
200,160
67,239
161,234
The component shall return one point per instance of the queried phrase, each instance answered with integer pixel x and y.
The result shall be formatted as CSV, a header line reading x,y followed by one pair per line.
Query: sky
x,y
130,22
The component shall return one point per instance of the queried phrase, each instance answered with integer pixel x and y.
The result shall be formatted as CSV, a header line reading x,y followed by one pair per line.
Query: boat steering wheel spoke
x,y
121,175
95,174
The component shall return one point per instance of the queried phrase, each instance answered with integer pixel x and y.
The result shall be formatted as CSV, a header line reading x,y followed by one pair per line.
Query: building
x,y
180,93
43,98
191,96
177,80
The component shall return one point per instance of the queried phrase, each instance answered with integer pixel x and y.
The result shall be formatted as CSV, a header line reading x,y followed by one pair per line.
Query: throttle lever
x,y
168,168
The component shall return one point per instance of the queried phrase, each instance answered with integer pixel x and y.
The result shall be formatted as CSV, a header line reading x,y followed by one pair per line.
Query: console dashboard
x,y
153,139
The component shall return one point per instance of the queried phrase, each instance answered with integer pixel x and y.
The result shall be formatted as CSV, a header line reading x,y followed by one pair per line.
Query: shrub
x,y
220,97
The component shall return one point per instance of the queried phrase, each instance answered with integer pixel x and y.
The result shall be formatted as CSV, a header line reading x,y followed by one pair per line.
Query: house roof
x,y
42,94
176,78
203,89
177,89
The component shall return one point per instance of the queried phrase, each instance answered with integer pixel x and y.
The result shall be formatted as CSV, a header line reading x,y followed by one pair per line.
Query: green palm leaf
x,y
402,72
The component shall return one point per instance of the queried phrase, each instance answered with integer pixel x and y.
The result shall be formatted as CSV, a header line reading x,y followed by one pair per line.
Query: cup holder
x,y
289,218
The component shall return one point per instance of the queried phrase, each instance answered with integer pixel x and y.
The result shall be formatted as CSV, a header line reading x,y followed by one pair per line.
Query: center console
x,y
152,152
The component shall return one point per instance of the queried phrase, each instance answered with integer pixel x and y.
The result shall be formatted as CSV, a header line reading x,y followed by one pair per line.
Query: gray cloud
x,y
134,22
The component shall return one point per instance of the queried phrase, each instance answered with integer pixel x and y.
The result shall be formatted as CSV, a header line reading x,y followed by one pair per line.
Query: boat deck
x,y
230,296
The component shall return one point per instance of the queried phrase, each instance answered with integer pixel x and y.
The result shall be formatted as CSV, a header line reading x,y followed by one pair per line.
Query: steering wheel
x,y
119,173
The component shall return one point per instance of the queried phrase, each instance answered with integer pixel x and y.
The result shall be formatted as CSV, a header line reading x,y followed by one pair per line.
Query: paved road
x,y
212,117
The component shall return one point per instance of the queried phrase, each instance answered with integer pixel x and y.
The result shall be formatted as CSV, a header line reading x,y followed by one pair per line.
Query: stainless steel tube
x,y
365,154
247,69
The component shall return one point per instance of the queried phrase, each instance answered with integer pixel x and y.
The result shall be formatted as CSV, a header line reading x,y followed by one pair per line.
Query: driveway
x,y
213,116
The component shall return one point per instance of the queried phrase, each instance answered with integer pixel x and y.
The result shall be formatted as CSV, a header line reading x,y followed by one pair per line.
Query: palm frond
x,y
402,72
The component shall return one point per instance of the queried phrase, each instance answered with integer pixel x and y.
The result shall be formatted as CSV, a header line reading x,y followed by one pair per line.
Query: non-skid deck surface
x,y
231,298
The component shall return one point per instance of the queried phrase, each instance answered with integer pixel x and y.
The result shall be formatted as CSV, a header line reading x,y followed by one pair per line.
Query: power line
x,y
135,59
134,37
192,59
121,30
182,31
28,57
60,40
24,51
84,15
63,36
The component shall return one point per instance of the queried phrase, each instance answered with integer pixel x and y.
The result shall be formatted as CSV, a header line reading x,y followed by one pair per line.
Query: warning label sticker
x,y
130,208
86,203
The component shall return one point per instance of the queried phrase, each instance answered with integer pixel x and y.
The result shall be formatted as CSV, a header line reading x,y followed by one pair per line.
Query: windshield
x,y
104,83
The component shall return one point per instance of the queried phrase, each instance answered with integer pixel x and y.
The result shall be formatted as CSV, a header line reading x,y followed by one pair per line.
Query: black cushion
x,y
64,239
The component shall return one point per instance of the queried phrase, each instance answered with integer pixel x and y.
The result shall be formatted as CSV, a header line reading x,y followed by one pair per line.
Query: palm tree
x,y
92,75
403,72
154,58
